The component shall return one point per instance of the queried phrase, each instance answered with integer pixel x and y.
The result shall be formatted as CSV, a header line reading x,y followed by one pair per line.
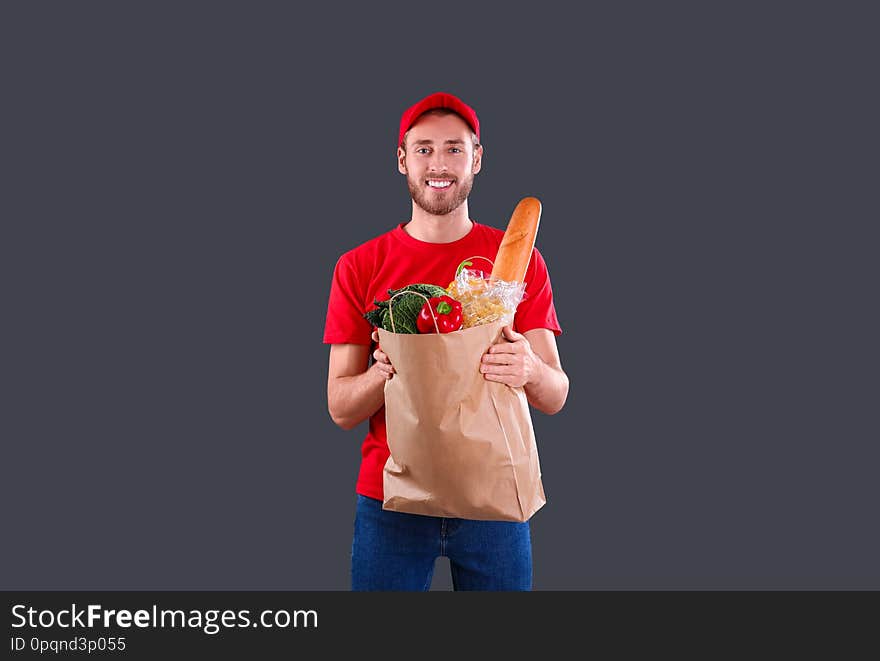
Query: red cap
x,y
438,100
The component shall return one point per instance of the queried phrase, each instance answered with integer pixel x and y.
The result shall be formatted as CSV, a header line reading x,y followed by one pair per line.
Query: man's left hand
x,y
511,361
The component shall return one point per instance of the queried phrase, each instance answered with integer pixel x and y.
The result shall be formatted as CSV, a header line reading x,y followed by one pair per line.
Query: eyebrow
x,y
431,142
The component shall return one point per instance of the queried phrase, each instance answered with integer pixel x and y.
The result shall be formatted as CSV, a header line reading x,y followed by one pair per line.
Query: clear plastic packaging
x,y
484,300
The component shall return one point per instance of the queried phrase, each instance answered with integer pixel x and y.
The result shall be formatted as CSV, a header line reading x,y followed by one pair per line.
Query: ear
x,y
478,159
401,161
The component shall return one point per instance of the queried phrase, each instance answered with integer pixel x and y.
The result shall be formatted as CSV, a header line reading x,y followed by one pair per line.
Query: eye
x,y
455,150
422,150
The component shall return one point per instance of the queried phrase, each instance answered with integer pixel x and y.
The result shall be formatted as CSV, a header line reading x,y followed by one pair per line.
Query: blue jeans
x,y
396,551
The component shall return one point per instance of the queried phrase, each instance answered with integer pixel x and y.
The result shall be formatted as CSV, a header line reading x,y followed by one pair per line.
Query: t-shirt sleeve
x,y
536,309
345,323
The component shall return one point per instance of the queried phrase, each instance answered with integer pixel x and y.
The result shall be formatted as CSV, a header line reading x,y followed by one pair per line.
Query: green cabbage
x,y
406,308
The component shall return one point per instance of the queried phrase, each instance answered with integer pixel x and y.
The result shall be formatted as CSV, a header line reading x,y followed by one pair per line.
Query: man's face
x,y
440,162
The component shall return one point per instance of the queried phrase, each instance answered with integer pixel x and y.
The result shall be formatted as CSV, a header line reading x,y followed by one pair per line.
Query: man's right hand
x,y
383,363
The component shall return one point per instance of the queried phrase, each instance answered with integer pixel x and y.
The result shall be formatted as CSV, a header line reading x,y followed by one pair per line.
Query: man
x,y
439,152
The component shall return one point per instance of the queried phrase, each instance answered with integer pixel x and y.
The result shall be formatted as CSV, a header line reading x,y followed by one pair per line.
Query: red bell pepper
x,y
447,312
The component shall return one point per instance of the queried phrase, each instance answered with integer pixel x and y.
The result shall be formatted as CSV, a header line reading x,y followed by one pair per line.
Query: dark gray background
x,y
180,180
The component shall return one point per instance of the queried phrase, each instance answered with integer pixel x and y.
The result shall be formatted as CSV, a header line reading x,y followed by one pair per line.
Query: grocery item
x,y
484,301
407,306
440,314
515,250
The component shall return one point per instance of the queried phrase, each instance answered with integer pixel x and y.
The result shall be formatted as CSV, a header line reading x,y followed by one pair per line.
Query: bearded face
x,y
440,162
439,194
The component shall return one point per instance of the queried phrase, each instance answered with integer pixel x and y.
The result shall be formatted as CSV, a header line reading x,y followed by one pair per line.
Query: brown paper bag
x,y
461,446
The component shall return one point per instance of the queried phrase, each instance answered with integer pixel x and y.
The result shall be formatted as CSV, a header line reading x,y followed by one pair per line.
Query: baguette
x,y
515,250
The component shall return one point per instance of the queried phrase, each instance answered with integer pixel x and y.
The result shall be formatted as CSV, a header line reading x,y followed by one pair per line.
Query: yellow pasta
x,y
481,302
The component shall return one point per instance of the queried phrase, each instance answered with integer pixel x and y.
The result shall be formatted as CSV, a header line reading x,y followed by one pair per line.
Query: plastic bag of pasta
x,y
484,300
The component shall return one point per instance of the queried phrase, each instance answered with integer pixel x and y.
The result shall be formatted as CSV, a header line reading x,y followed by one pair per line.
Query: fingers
x,y
385,369
378,355
501,358
507,347
500,370
510,375
504,350
506,368
512,343
383,363
511,334
506,379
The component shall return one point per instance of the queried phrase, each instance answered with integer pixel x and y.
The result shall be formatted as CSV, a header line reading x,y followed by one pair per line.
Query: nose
x,y
438,162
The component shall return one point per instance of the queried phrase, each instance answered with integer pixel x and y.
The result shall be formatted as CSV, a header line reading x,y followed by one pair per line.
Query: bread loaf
x,y
515,250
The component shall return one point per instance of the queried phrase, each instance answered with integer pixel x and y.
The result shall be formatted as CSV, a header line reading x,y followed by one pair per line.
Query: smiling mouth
x,y
439,184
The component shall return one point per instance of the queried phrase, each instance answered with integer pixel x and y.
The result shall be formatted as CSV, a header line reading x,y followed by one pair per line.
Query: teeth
x,y
439,184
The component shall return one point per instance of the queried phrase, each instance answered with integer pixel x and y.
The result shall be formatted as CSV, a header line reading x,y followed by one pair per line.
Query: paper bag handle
x,y
467,259
391,308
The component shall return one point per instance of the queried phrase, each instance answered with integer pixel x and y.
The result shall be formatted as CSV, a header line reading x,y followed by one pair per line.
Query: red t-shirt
x,y
394,260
